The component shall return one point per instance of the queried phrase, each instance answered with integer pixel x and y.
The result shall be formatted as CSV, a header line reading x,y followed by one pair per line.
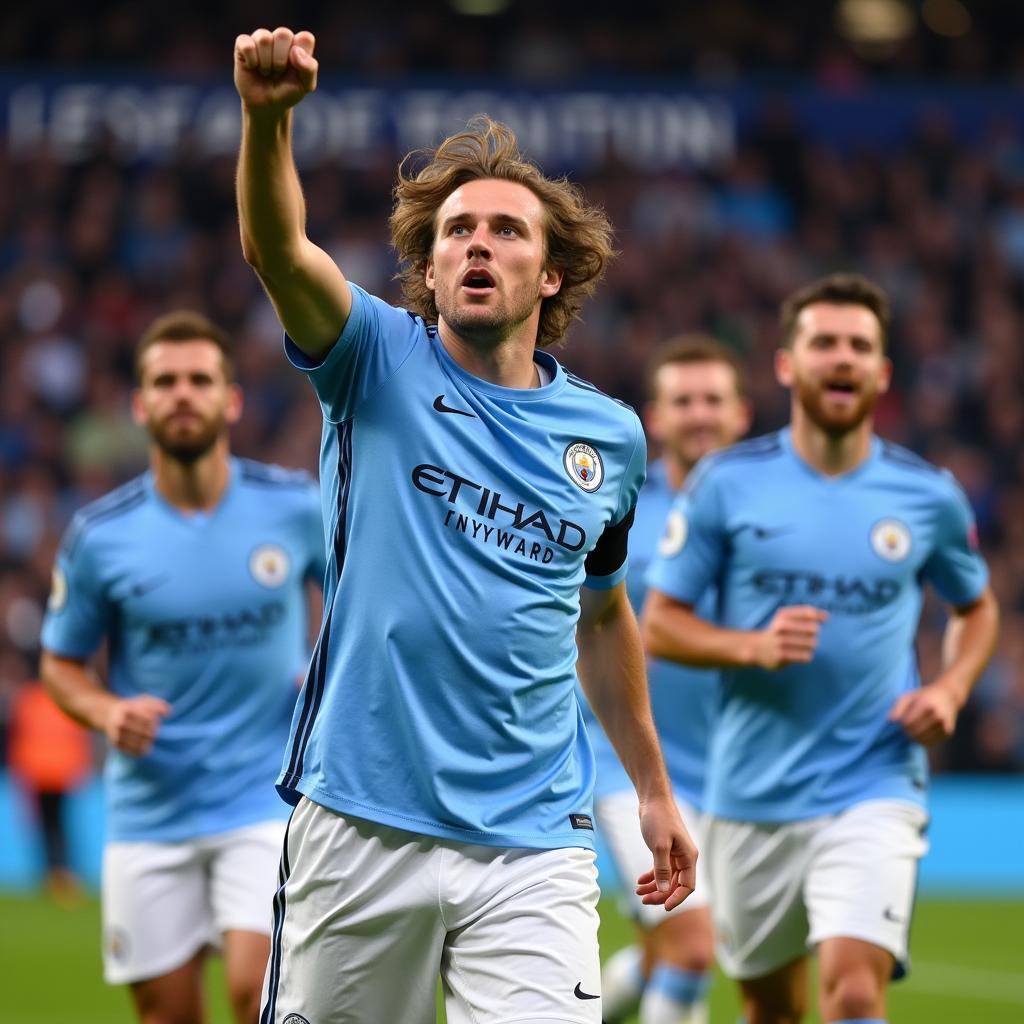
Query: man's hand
x,y
791,637
928,715
274,70
674,874
131,724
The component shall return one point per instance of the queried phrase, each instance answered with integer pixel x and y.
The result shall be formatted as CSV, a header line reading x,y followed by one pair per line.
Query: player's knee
x,y
852,994
686,943
245,998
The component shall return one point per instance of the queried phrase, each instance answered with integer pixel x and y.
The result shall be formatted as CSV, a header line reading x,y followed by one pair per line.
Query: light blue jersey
x,y
463,519
209,612
682,699
770,531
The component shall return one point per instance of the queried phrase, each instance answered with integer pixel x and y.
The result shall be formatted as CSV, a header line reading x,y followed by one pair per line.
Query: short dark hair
x,y
185,325
694,348
839,290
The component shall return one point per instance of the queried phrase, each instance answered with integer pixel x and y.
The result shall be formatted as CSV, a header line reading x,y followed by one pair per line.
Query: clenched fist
x,y
274,70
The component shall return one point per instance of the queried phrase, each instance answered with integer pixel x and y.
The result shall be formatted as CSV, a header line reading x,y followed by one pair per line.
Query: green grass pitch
x,y
968,966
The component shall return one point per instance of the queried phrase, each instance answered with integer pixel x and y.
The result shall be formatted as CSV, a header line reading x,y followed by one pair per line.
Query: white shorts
x,y
367,916
782,889
163,902
618,820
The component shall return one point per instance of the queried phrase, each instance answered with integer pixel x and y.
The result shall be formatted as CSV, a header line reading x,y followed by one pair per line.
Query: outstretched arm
x,y
612,674
273,72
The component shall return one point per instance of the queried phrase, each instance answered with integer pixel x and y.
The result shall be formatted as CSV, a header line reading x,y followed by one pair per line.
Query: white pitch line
x,y
968,982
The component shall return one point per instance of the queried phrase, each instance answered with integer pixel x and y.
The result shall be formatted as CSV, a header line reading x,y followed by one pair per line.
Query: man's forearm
x,y
613,676
76,690
968,645
271,207
676,634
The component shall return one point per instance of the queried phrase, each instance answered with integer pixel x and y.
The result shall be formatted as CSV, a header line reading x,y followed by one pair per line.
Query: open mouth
x,y
841,387
477,280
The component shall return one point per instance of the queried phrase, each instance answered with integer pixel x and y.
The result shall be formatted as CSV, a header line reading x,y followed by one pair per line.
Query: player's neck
x,y
830,454
676,471
507,363
192,486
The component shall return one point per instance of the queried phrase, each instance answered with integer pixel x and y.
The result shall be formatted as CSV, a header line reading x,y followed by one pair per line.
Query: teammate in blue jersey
x,y
697,404
820,538
196,575
438,760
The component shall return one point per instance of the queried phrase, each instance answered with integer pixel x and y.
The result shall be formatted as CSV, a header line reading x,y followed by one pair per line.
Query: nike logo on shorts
x,y
580,994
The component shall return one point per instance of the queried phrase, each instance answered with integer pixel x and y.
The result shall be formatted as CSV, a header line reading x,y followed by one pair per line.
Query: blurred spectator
x,y
49,755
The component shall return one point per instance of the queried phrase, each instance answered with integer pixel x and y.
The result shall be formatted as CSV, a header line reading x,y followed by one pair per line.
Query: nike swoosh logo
x,y
766,532
138,589
890,916
580,994
439,406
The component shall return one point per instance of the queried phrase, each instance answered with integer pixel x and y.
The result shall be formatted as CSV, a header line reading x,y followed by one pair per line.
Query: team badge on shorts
x,y
891,540
583,464
674,537
295,1018
117,943
269,565
58,590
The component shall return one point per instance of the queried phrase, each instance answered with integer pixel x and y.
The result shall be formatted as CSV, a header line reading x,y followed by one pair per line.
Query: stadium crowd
x,y
91,252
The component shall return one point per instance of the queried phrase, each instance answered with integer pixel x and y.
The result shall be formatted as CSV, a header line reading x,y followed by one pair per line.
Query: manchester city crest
x,y
269,565
583,464
891,540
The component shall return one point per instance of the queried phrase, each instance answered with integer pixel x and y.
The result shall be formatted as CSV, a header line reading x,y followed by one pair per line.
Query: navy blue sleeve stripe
x,y
316,678
611,549
585,385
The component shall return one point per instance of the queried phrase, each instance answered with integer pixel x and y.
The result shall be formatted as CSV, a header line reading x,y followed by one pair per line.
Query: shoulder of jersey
x,y
613,405
917,472
903,458
755,449
264,474
738,456
112,506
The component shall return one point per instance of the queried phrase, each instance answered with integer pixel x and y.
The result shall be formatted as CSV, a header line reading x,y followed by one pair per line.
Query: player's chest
x,y
548,482
826,546
185,571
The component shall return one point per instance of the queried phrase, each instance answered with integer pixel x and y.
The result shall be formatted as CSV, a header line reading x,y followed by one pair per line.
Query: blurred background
x,y
740,150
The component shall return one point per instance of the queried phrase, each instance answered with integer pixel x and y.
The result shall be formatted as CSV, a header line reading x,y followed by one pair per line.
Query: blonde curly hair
x,y
577,236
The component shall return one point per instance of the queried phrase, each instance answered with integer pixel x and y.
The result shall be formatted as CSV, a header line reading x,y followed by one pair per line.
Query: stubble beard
x,y
486,326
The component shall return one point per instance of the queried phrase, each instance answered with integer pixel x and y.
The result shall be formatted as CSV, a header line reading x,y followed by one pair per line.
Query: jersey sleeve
x,y
375,342
77,612
955,567
608,562
692,548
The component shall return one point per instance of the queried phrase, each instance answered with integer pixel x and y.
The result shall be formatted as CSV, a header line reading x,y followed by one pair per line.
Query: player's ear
x,y
784,367
885,376
428,273
138,409
550,282
233,412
